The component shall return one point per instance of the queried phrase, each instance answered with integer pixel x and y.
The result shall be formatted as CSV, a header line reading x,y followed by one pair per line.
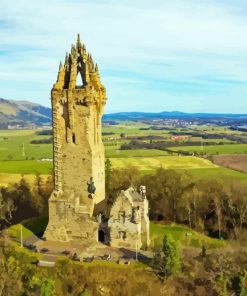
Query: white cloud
x,y
159,40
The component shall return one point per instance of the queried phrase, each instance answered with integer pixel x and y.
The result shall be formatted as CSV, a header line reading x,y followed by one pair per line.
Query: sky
x,y
159,55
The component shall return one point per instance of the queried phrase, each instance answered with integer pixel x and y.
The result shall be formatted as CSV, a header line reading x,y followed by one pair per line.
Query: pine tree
x,y
171,259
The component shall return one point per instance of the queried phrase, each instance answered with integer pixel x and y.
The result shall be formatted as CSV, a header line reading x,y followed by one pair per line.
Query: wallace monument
x,y
79,164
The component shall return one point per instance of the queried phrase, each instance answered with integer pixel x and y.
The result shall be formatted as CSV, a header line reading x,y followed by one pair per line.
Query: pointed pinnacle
x,y
60,66
78,39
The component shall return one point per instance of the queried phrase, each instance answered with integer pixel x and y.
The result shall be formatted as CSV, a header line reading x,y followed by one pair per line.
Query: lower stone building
x,y
125,224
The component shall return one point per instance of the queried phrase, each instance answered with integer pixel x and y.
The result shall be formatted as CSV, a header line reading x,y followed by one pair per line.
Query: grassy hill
x,y
23,113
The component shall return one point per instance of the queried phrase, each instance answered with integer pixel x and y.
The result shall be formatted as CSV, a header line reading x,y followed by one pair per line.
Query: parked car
x,y
44,250
30,247
106,257
88,259
66,253
75,257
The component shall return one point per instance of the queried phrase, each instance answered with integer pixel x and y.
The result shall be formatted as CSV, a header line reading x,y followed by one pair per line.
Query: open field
x,y
167,162
178,233
10,171
236,162
219,173
26,167
113,153
14,161
214,149
12,142
7,178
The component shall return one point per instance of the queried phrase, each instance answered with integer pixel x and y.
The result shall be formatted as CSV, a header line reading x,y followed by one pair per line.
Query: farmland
x,y
236,162
19,156
215,149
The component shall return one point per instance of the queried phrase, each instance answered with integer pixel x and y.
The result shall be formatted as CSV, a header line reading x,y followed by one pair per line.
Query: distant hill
x,y
23,113
167,115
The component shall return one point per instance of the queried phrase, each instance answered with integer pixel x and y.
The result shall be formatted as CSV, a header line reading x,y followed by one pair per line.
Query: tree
x,y
10,156
222,282
37,200
171,259
108,172
216,195
6,208
47,287
165,190
240,284
238,198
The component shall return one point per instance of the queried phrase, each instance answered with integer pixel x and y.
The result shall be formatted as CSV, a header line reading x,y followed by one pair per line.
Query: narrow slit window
x,y
73,138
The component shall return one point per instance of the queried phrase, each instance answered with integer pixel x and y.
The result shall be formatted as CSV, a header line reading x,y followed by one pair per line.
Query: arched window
x,y
79,80
73,138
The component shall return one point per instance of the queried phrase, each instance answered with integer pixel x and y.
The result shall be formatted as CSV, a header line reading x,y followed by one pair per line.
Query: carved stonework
x,y
78,148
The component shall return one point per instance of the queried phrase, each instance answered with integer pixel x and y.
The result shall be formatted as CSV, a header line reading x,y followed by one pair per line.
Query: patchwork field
x,y
18,156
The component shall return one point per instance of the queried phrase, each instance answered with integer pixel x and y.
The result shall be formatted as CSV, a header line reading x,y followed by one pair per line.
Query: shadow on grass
x,y
36,225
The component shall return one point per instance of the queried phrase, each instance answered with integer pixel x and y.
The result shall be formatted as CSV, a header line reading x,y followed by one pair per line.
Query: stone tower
x,y
79,178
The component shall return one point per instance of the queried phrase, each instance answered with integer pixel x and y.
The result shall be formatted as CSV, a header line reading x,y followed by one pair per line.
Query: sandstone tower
x,y
79,178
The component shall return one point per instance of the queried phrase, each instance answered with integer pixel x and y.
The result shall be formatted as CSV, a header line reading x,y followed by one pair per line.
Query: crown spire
x,y
78,42
60,66
78,60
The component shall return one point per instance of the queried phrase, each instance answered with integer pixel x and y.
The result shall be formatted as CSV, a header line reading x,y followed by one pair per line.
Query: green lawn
x,y
26,167
15,231
12,141
178,233
214,149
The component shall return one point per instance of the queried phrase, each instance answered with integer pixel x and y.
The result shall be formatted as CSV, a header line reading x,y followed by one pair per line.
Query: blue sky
x,y
186,55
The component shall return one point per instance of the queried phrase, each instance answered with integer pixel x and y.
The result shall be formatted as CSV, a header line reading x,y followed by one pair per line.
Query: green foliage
x,y
108,173
85,293
47,287
20,201
240,284
222,282
171,259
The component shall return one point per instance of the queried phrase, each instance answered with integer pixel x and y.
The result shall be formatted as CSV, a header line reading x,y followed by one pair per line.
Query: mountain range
x,y
170,115
26,113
